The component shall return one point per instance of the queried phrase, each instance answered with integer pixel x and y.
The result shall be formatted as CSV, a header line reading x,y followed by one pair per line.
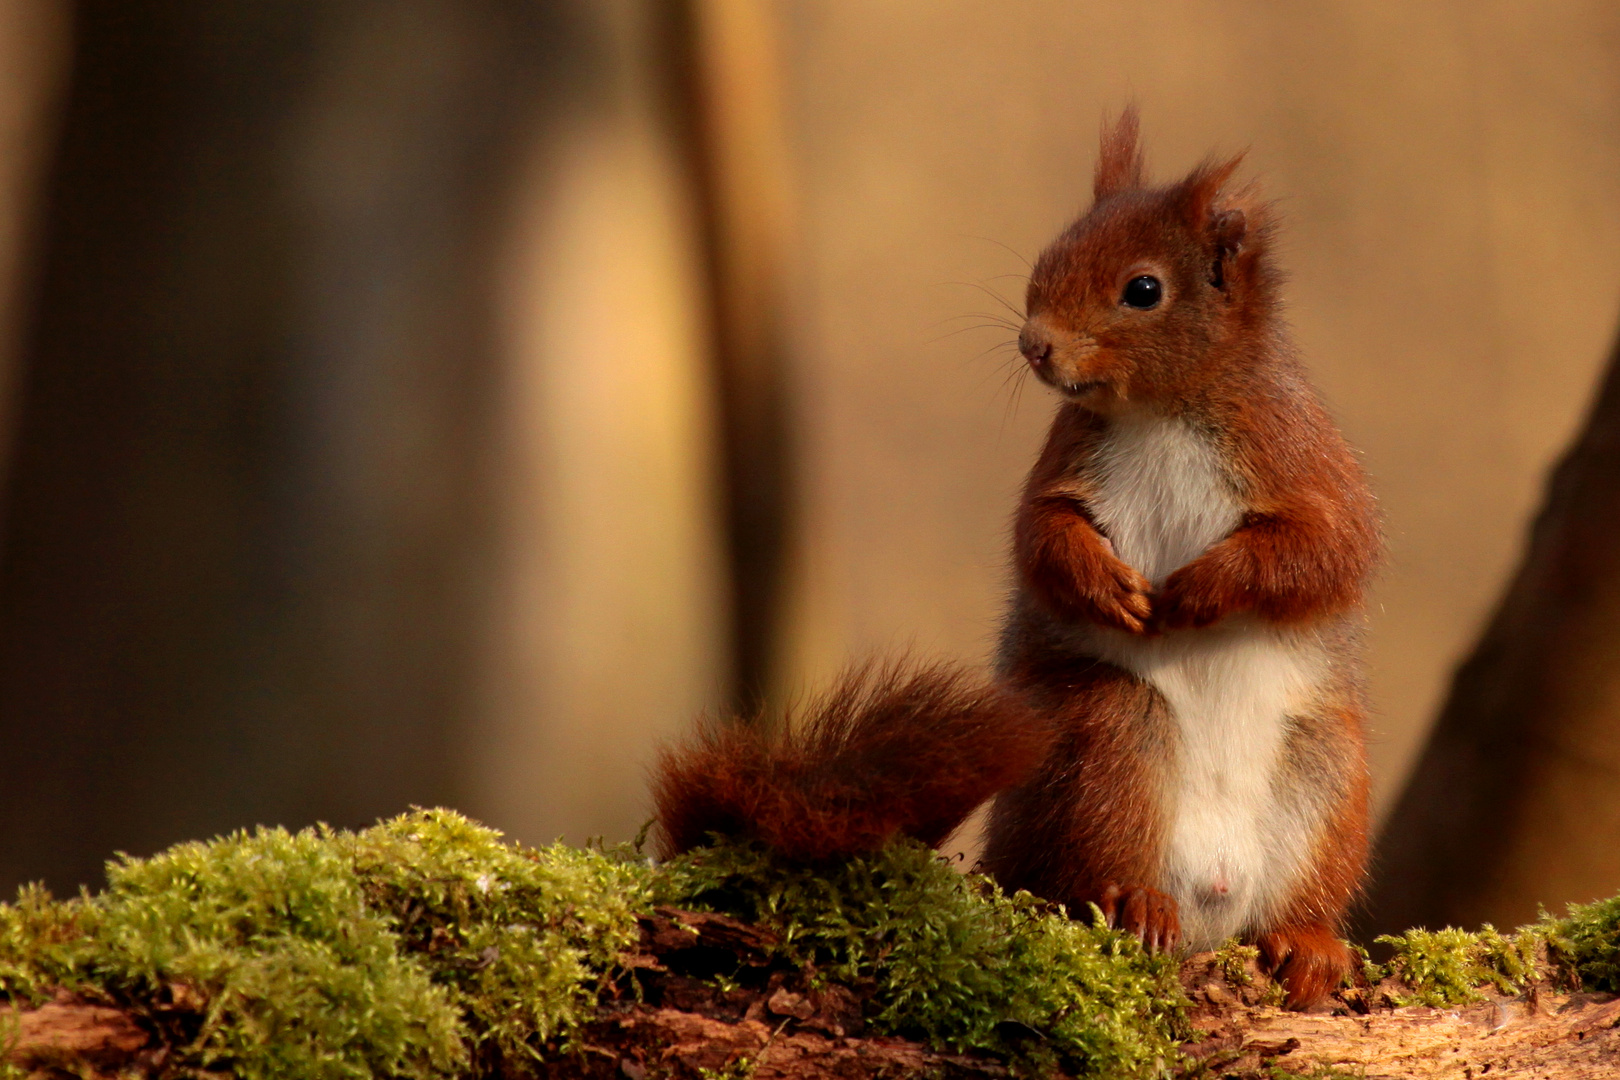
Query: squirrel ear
x,y
1227,229
1217,214
1202,190
1119,164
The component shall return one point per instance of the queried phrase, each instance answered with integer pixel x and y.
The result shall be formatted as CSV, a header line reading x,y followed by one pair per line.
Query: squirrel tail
x,y
893,749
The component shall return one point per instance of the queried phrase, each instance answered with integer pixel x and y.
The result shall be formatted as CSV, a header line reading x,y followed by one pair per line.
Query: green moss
x,y
739,1069
393,952
427,946
289,972
1233,959
1587,942
1452,966
9,1070
44,943
1371,972
522,939
1439,965
951,960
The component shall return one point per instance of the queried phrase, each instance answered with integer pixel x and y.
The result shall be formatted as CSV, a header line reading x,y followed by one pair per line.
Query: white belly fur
x,y
1233,849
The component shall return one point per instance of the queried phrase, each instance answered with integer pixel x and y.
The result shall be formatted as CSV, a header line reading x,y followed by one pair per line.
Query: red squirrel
x,y
1175,733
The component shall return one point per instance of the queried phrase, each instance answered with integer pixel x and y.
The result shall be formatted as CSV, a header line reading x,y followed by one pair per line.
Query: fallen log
x,y
689,1029
428,948
786,1035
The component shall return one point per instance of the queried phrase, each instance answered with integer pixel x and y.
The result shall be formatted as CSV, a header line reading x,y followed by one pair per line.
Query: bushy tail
x,y
893,749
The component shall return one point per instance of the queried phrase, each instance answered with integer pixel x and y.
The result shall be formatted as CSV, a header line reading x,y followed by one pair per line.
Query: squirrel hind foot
x,y
1150,915
1309,960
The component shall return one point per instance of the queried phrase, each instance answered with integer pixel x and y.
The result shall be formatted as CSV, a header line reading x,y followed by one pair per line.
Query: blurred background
x,y
440,401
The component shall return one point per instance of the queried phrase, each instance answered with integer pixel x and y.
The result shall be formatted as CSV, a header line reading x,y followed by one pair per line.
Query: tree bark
x,y
1515,802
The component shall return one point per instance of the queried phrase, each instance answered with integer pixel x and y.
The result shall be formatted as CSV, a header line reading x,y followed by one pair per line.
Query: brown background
x,y
517,465
1447,172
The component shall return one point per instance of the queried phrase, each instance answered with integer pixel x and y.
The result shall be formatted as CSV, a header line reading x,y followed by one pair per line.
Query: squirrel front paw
x,y
1099,589
1121,599
1147,913
1190,599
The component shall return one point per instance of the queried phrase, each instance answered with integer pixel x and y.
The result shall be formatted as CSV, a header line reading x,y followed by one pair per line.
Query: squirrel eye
x,y
1142,292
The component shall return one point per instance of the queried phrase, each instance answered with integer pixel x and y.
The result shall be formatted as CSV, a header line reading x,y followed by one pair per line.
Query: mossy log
x,y
428,948
791,1035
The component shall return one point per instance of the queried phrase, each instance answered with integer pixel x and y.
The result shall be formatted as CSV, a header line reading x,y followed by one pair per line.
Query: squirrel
x,y
1175,728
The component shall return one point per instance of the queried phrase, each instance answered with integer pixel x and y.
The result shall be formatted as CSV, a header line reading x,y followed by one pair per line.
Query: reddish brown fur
x,y
1088,826
1309,960
890,751
1341,849
1119,166
914,753
1215,354
1058,552
1304,950
1085,827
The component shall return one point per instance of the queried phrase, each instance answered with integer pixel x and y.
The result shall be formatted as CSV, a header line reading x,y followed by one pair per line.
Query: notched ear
x,y
1201,191
1227,231
1228,228
1218,214
1119,163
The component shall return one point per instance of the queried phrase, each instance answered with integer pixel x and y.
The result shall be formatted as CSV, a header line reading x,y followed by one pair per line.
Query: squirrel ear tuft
x,y
1119,164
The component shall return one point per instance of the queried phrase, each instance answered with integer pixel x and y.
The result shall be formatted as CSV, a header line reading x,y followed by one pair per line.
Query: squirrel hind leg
x,y
1309,960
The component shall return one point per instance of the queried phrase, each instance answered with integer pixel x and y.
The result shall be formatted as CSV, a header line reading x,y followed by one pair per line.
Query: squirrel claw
x,y
1310,961
1146,913
1130,608
1129,622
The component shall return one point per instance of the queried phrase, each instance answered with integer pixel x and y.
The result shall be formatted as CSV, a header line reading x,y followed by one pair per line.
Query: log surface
x,y
686,1028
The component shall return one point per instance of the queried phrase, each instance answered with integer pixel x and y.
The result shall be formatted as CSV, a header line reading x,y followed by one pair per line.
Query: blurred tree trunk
x,y
1516,800
242,564
724,71
34,38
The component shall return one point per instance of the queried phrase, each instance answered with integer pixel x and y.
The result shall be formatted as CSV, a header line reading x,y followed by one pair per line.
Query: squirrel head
x,y
1140,299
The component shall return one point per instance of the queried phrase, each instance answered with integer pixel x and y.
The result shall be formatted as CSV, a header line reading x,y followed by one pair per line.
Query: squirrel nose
x,y
1035,345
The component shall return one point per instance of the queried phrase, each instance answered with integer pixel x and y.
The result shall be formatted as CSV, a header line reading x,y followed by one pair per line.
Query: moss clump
x,y
1234,959
951,960
521,939
266,943
43,944
1451,966
394,952
428,947
1587,942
